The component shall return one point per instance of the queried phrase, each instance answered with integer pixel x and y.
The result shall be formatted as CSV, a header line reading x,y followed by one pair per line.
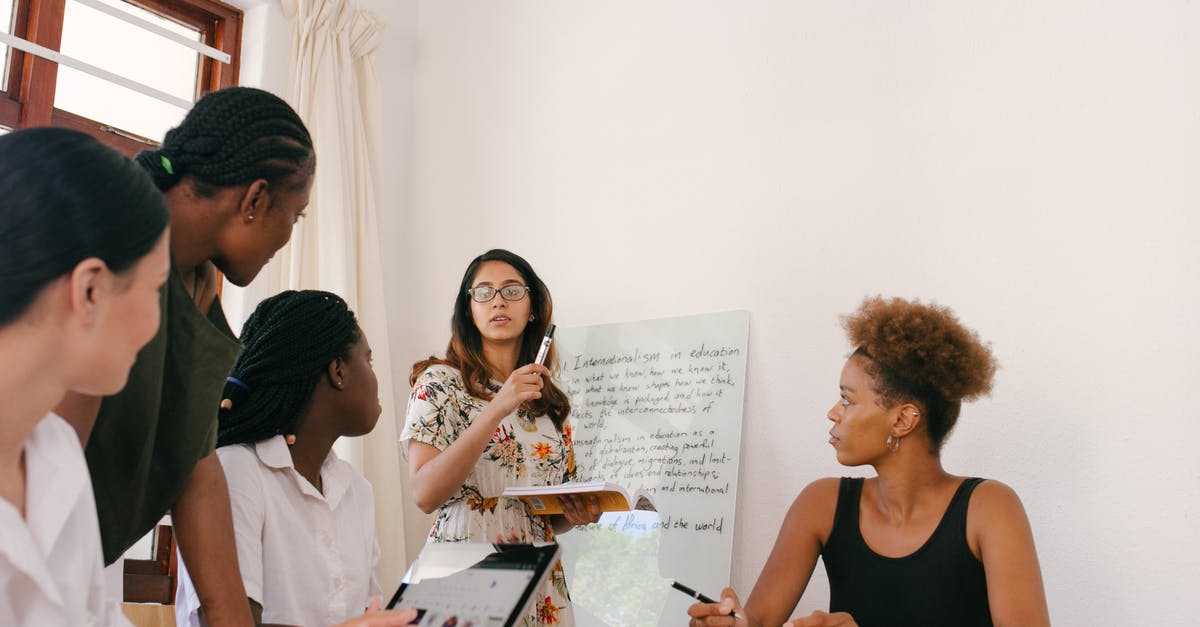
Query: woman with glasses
x,y
485,417
913,545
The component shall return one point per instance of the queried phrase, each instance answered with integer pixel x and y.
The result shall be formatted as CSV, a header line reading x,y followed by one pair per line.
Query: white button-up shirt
x,y
308,558
51,565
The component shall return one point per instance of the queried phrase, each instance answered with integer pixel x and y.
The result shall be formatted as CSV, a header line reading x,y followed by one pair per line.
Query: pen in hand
x,y
545,349
699,596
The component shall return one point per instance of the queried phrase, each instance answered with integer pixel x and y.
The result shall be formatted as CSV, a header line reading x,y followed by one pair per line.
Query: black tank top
x,y
941,583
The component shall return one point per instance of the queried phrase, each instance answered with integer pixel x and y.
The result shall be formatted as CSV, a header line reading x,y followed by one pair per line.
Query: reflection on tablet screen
x,y
474,585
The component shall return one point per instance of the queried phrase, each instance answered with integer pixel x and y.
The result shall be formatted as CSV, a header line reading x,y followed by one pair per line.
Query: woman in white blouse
x,y
304,520
83,252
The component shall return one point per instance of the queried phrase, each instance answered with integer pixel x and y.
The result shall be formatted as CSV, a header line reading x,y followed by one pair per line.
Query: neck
x,y
905,479
29,393
502,357
193,236
311,448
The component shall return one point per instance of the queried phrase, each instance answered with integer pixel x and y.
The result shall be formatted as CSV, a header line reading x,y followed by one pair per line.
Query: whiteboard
x,y
657,405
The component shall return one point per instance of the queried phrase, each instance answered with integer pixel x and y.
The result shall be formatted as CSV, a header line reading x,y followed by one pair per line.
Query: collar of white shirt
x,y
335,473
55,478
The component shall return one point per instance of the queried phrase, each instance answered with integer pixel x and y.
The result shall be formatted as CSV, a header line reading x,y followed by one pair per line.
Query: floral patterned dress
x,y
524,450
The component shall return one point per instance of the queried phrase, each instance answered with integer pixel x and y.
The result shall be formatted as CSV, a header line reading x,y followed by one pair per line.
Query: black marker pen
x,y
703,598
545,349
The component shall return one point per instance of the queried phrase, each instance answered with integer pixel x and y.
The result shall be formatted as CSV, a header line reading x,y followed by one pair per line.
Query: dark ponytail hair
x,y
465,351
65,197
232,136
289,340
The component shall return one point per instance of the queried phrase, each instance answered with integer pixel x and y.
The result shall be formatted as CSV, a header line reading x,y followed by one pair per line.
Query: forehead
x,y
496,273
855,376
362,343
296,187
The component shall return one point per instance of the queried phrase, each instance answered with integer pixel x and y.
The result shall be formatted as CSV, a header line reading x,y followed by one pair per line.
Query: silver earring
x,y
893,443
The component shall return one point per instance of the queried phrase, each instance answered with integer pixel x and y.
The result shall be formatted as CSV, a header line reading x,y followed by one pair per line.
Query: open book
x,y
613,498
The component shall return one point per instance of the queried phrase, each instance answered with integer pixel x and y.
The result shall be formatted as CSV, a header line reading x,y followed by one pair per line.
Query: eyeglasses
x,y
485,293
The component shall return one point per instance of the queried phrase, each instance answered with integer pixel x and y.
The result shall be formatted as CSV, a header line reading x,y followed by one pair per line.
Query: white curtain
x,y
336,247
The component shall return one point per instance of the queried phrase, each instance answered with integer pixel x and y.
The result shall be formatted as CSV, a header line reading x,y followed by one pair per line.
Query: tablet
x,y
467,584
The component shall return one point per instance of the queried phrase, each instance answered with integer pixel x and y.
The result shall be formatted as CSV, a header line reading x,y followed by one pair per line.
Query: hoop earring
x,y
893,443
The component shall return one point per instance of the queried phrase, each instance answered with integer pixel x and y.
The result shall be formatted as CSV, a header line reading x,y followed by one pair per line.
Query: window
x,y
142,47
6,20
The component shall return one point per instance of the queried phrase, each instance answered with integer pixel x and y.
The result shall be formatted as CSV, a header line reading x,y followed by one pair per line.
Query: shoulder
x,y
439,373
814,507
992,498
238,460
994,508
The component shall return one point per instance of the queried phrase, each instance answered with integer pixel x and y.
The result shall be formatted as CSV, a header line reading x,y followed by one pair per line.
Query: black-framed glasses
x,y
485,293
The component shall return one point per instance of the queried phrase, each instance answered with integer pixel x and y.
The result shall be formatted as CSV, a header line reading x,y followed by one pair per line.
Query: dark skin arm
x,y
786,574
998,532
203,523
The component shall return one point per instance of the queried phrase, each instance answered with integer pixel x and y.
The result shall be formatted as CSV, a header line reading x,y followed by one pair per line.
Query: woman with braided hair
x,y
236,175
304,520
914,545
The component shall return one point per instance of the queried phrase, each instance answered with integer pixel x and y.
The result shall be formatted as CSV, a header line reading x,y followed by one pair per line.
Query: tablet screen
x,y
473,584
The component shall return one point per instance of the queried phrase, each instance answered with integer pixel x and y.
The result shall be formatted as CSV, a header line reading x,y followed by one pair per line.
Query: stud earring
x,y
531,318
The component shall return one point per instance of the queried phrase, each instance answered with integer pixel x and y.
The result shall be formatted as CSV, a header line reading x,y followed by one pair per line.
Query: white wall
x,y
1032,165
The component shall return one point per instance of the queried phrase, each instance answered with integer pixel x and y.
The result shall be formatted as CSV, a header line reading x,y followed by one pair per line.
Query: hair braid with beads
x,y
289,340
232,136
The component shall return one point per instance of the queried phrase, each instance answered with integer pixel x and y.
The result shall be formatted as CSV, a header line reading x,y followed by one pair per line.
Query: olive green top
x,y
149,436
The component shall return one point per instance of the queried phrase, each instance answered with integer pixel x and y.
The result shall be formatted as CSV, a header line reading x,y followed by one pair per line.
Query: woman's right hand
x,y
715,614
523,385
374,617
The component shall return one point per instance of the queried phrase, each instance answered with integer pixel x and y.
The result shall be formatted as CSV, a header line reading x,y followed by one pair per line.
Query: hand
x,y
375,618
523,385
714,614
821,619
580,509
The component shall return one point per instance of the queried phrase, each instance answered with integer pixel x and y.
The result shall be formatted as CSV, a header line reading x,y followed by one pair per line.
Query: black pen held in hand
x,y
703,598
545,349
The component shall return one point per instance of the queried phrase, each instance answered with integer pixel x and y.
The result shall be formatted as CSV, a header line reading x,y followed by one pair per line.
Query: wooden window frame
x,y
29,98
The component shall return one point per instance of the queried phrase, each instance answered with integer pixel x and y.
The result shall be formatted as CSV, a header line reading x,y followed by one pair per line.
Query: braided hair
x,y
232,136
289,340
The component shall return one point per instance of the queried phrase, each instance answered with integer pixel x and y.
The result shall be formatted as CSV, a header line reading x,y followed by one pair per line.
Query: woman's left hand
x,y
579,509
822,619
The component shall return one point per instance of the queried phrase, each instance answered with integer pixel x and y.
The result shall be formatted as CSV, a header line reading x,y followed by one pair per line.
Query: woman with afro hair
x,y
913,545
